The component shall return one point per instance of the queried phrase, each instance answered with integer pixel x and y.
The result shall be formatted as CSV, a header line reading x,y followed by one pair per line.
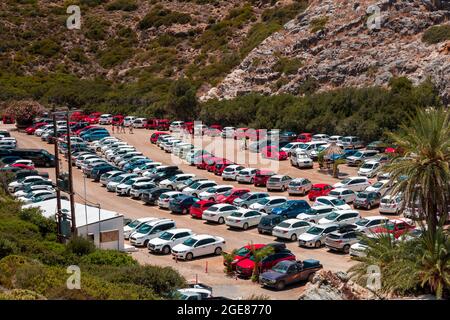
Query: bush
x,y
114,55
47,48
24,111
318,24
108,258
159,16
80,246
437,34
287,66
7,248
124,5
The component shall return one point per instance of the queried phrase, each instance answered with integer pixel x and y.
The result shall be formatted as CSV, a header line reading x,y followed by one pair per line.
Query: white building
x,y
103,226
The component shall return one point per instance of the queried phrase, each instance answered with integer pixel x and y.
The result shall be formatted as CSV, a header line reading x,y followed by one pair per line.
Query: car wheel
x,y
166,250
194,195
263,211
146,243
294,237
211,199
369,206
318,244
189,256
218,251
346,248
252,181
245,226
283,188
170,187
280,285
244,206
221,220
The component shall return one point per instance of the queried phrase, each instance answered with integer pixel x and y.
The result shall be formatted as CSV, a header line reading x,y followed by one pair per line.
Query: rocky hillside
x,y
330,46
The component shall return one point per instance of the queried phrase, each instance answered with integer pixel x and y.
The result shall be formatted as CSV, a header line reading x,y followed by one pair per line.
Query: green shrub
x,y
95,29
287,66
124,5
160,16
109,258
436,34
318,24
45,225
80,246
7,248
46,47
114,55
92,3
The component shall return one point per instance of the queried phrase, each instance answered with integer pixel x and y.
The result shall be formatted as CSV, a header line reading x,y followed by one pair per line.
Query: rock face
x,y
327,285
352,48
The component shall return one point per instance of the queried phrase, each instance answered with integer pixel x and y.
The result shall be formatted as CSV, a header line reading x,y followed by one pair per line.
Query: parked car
x,y
391,204
299,186
108,176
197,208
149,230
228,132
244,218
361,156
213,192
137,189
230,195
114,182
290,229
396,227
139,123
245,267
197,246
266,204
369,169
301,159
315,213
246,175
134,224
174,181
367,224
288,272
352,142
304,137
341,217
244,253
341,240
196,188
278,182
218,212
380,186
291,208
169,239
353,183
261,177
249,198
367,200
338,204
267,223
318,190
186,183
151,196
315,236
274,153
344,194
22,183
105,119
128,121
165,198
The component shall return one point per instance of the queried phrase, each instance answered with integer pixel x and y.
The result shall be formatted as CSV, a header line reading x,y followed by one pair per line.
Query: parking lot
x,y
210,269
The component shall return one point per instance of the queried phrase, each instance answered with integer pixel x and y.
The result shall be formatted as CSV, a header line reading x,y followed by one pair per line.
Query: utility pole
x,y
58,191
71,192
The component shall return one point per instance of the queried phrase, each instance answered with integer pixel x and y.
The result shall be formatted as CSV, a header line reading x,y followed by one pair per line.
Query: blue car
x,y
291,208
130,166
182,204
95,135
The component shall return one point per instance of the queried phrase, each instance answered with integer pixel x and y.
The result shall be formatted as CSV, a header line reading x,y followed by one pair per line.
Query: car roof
x,y
179,230
202,236
320,185
374,217
326,197
291,221
221,205
276,197
340,190
279,176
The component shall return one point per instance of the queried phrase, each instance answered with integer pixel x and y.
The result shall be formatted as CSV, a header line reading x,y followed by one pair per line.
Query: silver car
x,y
246,175
278,182
299,186
249,198
106,177
341,240
316,235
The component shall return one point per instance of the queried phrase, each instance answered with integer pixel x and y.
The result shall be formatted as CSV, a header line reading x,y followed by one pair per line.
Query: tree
x,y
182,101
425,139
258,256
24,111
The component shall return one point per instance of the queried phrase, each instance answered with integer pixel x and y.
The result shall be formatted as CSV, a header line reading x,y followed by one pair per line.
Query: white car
x,y
176,126
22,193
341,217
149,230
199,245
230,172
246,175
199,186
381,187
244,218
344,194
291,146
290,229
168,239
391,204
300,159
338,204
228,132
218,212
128,121
316,213
369,169
133,225
353,183
140,187
39,132
299,186
139,123
123,189
38,196
166,197
105,119
268,203
320,137
335,138
19,184
176,180
315,236
213,192
146,166
367,223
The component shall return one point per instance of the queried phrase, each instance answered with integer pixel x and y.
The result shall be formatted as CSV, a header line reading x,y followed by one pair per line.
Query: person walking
x,y
131,128
122,127
112,125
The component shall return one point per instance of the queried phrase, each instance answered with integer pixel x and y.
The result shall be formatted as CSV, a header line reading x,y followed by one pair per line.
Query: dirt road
x,y
210,269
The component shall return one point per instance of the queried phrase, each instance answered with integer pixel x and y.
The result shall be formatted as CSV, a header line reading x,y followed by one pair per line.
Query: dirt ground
x,y
210,269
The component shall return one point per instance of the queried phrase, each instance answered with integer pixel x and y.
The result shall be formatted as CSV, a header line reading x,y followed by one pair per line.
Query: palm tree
x,y
258,256
425,139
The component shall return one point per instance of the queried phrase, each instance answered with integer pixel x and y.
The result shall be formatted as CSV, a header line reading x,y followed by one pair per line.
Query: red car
x,y
243,253
22,166
155,135
319,190
396,227
304,137
245,266
189,127
196,210
83,129
32,129
117,119
211,163
93,117
221,165
240,133
201,162
77,116
229,196
162,124
7,119
261,177
212,132
272,152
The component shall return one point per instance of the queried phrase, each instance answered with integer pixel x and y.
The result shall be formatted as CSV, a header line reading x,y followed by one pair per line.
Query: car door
x,y
253,218
300,227
205,247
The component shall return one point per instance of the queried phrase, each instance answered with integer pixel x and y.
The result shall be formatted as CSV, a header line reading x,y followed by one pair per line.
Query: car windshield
x,y
117,179
367,166
362,222
211,190
284,225
281,268
166,236
377,184
263,201
245,196
195,185
337,202
285,205
190,242
242,251
316,188
228,193
363,195
346,181
237,214
332,216
133,224
315,230
213,209
145,228
274,179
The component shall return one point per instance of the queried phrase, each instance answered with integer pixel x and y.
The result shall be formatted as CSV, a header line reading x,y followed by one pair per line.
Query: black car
x,y
40,157
158,177
100,169
25,173
182,204
267,223
152,195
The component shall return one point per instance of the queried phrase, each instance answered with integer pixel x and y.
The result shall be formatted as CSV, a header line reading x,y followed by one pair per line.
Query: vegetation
x,y
159,16
437,34
318,24
287,66
124,5
33,265
24,111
